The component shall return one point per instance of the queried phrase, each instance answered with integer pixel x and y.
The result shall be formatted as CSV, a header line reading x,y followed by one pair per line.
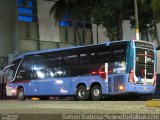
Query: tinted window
x,y
12,70
144,61
85,63
118,64
33,67
74,62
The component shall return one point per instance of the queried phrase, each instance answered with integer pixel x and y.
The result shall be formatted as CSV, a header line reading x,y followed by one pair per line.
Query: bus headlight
x,y
13,91
121,87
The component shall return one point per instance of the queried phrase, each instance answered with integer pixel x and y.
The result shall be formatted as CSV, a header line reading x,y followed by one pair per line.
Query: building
x,y
25,25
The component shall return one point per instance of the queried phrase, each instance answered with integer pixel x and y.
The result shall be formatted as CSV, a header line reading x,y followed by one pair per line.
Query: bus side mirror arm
x,y
7,67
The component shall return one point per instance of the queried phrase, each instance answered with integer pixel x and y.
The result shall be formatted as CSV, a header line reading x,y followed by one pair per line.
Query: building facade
x,y
25,25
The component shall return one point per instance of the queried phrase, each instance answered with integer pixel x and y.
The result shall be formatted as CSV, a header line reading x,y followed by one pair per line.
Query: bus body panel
x,y
58,86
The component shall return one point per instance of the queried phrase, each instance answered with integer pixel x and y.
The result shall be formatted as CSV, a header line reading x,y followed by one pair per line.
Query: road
x,y
75,107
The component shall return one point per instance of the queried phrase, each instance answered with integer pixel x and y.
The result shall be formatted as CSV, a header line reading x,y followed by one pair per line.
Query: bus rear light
x,y
94,73
121,88
102,75
155,79
131,77
102,72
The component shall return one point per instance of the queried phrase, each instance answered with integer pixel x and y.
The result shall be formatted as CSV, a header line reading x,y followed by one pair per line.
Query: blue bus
x,y
86,72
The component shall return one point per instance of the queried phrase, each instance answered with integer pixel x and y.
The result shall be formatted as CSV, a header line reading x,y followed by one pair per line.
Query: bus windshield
x,y
144,60
11,71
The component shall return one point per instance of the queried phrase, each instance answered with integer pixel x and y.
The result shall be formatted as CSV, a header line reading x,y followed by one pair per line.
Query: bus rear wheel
x,y
82,93
96,92
20,94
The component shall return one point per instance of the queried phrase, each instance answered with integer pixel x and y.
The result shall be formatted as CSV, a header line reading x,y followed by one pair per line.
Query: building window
x,y
27,10
22,10
65,22
75,31
24,18
28,24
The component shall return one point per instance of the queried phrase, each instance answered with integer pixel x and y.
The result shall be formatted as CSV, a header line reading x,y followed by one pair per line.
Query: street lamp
x,y
136,19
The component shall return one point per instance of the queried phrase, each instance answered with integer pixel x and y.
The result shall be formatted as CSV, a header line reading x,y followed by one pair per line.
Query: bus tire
x,y
20,94
96,93
82,93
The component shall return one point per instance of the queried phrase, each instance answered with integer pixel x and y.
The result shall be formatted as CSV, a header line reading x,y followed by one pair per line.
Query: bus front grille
x,y
114,82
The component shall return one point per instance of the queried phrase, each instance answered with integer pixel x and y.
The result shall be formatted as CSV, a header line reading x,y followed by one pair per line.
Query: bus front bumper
x,y
11,91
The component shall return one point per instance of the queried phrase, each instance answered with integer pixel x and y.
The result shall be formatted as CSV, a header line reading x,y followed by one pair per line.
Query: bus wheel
x,y
82,93
20,94
96,92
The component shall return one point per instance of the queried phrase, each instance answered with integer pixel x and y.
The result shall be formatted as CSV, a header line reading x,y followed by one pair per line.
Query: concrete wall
x,y
88,36
158,62
69,36
101,34
128,33
7,27
1,73
158,30
48,31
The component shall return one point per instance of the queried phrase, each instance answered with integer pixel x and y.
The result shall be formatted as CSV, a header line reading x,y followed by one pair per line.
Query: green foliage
x,y
149,12
109,13
155,5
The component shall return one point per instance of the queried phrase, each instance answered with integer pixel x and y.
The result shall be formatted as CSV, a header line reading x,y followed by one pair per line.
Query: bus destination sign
x,y
144,45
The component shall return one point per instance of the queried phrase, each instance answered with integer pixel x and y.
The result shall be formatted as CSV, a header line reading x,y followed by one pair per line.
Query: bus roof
x,y
66,48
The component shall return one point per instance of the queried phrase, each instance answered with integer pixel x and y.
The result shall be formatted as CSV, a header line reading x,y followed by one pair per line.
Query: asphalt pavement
x,y
52,107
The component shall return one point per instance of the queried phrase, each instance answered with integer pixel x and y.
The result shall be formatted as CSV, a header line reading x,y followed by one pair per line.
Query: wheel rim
x,y
20,94
96,92
81,93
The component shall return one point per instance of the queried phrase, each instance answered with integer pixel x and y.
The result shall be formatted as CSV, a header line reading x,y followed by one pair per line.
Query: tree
x,y
109,13
149,12
76,9
155,6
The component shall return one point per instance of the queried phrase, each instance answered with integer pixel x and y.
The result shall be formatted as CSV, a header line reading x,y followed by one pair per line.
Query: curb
x,y
153,103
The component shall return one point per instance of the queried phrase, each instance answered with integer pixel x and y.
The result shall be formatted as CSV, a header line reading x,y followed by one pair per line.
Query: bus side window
x,y
39,67
118,63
